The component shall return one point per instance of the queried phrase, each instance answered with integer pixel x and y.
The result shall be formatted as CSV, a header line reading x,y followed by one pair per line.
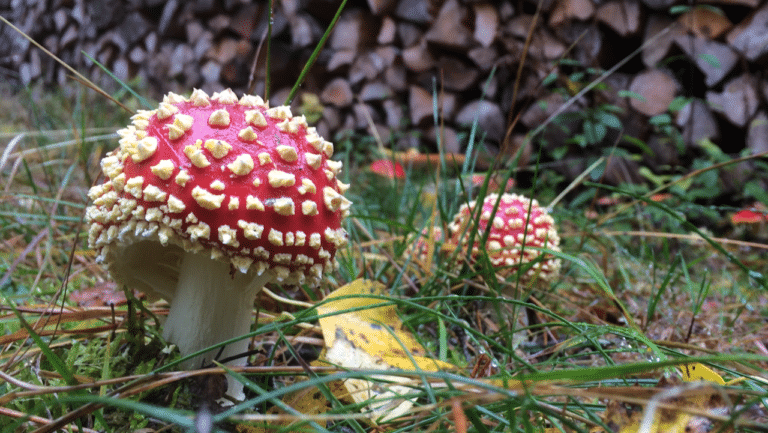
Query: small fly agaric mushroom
x,y
748,216
519,223
388,169
420,249
751,221
208,199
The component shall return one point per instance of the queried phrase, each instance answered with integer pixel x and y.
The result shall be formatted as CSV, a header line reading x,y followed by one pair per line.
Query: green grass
x,y
642,289
682,297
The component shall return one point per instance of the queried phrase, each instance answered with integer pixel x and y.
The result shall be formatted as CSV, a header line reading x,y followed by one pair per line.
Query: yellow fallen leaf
x,y
376,329
367,334
384,397
628,419
655,418
421,363
696,371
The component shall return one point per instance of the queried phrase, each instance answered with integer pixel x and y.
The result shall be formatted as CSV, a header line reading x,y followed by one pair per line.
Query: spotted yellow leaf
x,y
370,324
696,371
364,332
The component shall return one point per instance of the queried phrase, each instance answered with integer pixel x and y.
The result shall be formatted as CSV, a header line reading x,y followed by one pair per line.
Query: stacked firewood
x,y
392,67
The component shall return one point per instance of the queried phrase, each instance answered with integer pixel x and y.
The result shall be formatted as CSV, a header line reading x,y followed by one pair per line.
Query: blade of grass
x,y
78,76
593,271
268,64
125,86
28,249
473,417
597,81
575,183
30,177
183,419
756,276
442,340
651,311
7,152
688,237
697,296
274,400
57,363
314,55
34,216
678,180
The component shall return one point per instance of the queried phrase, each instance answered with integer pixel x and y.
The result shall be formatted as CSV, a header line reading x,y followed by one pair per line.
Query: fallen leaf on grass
x,y
653,418
696,371
373,325
384,397
367,334
623,418
305,404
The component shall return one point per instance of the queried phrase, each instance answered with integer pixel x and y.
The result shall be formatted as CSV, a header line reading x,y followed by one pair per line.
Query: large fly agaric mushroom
x,y
208,199
519,223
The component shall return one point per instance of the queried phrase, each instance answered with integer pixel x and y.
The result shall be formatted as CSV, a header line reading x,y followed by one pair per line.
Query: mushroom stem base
x,y
210,306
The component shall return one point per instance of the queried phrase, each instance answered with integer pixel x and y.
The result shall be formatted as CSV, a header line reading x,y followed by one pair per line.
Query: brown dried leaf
x,y
104,294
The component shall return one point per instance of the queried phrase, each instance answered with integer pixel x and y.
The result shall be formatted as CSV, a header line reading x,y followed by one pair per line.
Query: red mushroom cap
x,y
253,185
388,169
748,216
508,232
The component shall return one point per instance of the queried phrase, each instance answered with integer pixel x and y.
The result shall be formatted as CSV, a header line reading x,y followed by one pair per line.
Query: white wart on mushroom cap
x,y
513,229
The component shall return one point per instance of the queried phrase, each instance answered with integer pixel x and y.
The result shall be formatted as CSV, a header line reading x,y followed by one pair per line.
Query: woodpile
x,y
389,64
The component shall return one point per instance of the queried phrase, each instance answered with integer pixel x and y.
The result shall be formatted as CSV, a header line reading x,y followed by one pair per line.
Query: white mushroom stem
x,y
209,306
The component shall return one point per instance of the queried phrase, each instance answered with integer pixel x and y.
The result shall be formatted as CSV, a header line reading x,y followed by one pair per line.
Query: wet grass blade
x,y
125,86
754,275
314,55
58,364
